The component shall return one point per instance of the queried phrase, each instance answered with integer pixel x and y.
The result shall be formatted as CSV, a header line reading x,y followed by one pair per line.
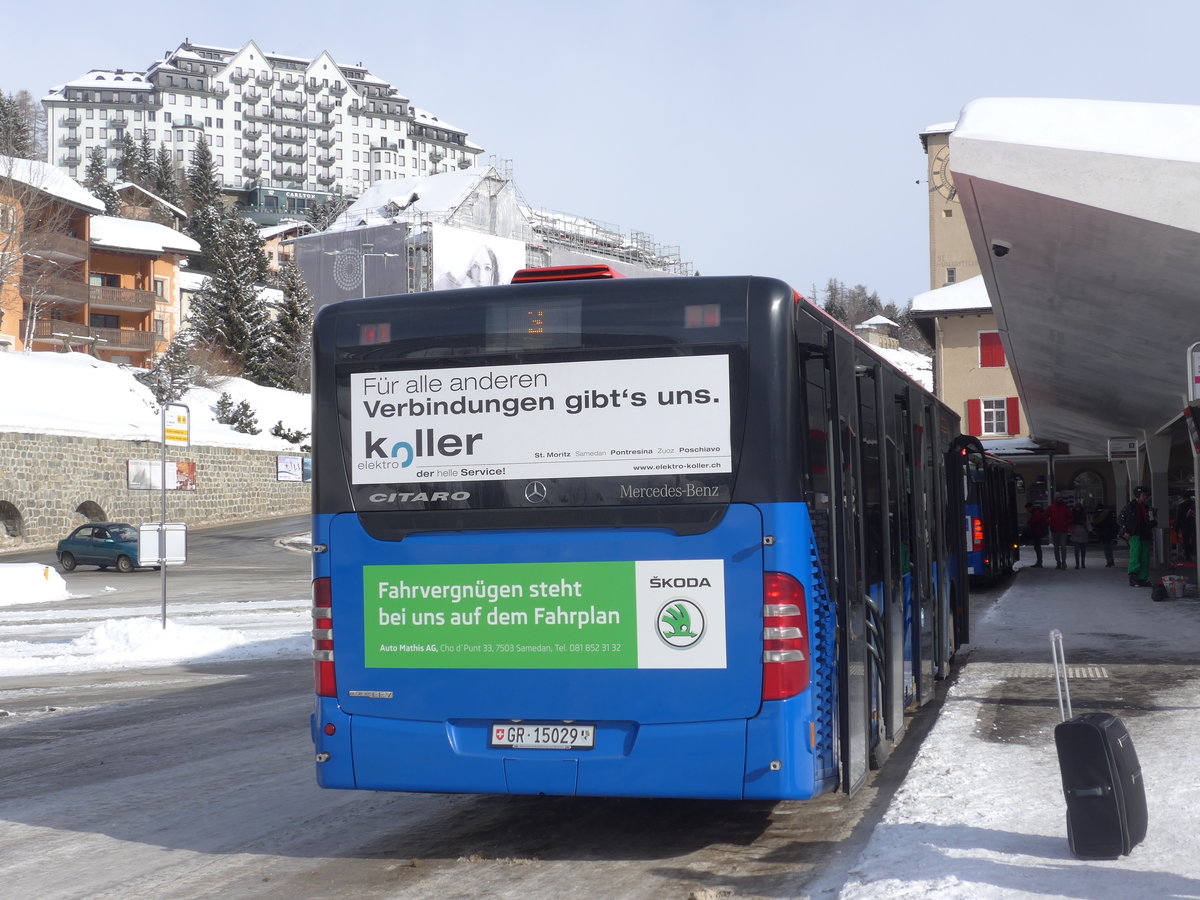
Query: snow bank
x,y
76,394
30,583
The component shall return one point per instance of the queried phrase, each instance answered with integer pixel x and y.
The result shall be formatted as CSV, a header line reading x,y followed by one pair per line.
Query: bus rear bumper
x,y
694,759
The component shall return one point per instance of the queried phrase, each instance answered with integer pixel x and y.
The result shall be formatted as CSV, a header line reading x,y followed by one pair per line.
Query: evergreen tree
x,y
171,375
127,161
95,179
166,181
204,187
322,215
16,138
145,162
229,315
239,417
291,345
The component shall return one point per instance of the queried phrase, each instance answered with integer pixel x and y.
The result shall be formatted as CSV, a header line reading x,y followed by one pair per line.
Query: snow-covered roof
x,y
283,228
959,297
130,186
1142,130
108,78
916,366
143,237
428,118
939,128
429,196
48,180
876,321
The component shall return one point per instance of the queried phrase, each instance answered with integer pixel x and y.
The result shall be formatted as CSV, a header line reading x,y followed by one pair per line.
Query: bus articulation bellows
x,y
673,537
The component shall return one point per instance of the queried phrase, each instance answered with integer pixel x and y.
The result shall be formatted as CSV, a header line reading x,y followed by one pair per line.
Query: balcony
x,y
60,248
326,106
122,299
118,121
292,101
264,79
287,175
338,90
290,83
54,290
252,171
252,134
253,116
325,142
220,93
286,156
70,141
252,96
71,159
290,137
251,152
114,338
326,179
312,87
325,160
71,121
238,77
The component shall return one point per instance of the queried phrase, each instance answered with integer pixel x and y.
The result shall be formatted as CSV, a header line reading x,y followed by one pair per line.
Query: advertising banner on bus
x,y
627,417
643,614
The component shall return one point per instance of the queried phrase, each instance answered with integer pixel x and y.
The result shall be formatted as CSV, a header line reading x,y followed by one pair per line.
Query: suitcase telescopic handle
x,y
1060,675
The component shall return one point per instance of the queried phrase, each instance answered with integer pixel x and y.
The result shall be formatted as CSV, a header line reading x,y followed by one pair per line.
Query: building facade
x,y
284,132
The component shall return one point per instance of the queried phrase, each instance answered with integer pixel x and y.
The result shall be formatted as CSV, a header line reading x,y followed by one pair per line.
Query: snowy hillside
x,y
75,394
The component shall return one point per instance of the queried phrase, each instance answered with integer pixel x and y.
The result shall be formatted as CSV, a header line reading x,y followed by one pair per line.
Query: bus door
x,y
926,574
897,538
876,550
851,589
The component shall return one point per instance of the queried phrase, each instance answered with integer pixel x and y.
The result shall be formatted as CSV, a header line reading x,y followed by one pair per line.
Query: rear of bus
x,y
560,545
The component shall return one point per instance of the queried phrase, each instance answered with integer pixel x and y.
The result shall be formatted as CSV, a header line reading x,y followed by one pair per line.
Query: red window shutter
x,y
991,350
1014,416
975,417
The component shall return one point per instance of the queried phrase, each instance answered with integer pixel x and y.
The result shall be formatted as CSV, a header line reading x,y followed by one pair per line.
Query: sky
x,y
777,137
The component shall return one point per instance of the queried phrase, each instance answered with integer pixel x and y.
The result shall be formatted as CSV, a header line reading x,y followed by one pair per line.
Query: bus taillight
x,y
785,637
324,682
977,534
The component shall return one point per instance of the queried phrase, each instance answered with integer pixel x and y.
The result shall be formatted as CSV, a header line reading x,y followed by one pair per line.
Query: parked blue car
x,y
100,544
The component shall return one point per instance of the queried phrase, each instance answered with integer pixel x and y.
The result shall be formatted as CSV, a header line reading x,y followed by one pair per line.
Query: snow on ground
x,y
76,394
130,637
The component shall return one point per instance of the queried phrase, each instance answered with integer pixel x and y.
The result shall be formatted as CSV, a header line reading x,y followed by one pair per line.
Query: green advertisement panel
x,y
579,615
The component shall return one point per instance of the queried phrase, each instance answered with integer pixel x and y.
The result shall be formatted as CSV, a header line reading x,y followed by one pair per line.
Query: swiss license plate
x,y
535,736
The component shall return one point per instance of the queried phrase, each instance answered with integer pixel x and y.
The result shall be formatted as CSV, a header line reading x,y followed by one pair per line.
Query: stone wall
x,y
50,483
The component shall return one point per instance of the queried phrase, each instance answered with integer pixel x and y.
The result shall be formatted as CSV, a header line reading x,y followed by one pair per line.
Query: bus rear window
x,y
660,313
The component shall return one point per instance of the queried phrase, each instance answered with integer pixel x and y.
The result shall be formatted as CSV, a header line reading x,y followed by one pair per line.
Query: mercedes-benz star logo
x,y
535,492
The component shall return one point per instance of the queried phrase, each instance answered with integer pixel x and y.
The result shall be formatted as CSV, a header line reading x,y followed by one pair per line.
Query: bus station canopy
x,y
1085,217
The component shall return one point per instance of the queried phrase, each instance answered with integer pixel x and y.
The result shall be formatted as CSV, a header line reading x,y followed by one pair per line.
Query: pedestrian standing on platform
x,y
1137,526
1104,523
1185,525
1036,523
1079,534
1060,518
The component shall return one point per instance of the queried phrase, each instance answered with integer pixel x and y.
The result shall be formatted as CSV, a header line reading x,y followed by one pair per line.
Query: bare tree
x,y
41,262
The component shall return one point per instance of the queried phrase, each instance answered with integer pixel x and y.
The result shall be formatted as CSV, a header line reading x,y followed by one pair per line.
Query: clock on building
x,y
940,179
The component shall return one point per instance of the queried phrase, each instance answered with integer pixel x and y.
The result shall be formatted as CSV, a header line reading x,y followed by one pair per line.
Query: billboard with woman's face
x,y
464,258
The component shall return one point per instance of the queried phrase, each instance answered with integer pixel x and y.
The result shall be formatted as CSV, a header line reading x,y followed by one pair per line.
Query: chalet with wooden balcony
x,y
44,230
133,290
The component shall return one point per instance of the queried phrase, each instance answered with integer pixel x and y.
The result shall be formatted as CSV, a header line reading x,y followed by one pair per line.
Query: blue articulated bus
x,y
670,537
993,532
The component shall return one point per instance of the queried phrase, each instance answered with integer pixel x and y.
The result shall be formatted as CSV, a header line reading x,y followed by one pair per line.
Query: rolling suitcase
x,y
1101,778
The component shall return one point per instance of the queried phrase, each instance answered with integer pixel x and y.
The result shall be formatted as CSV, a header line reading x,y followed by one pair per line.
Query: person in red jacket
x,y
1060,518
